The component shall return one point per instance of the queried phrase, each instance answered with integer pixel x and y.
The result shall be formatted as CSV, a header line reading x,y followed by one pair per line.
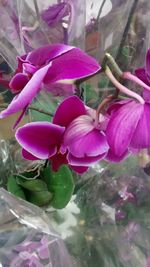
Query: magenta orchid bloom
x,y
128,128
144,75
72,138
45,67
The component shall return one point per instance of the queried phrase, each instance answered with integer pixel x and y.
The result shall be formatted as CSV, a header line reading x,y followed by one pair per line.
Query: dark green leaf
x,y
61,185
39,198
14,188
36,185
46,173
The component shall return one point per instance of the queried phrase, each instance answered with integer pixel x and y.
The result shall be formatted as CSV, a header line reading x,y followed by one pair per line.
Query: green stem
x,y
108,58
100,10
127,27
41,111
3,106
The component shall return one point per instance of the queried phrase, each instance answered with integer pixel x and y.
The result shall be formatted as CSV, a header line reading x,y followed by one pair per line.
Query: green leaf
x,y
46,173
36,185
14,188
60,184
36,191
39,198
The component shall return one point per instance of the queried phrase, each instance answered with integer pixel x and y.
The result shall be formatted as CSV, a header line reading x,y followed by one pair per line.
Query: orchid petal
x,y
79,169
18,82
85,161
68,110
141,74
40,138
21,60
115,158
146,95
122,125
92,144
27,155
71,66
29,69
117,105
81,134
40,56
141,136
27,94
78,128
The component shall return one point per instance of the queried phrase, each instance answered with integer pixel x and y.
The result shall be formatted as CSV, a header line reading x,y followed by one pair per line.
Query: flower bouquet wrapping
x,y
78,95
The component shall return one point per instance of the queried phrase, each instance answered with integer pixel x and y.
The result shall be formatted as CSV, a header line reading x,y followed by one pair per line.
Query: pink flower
x,y
72,138
45,67
128,128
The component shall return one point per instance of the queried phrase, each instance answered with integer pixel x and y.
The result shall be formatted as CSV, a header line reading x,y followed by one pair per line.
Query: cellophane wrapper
x,y
107,222
26,236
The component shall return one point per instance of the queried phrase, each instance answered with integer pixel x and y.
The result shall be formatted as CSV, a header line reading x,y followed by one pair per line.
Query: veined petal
x,y
141,136
122,125
27,94
146,95
40,138
78,128
92,144
18,82
141,74
45,54
72,66
115,158
117,105
86,161
68,110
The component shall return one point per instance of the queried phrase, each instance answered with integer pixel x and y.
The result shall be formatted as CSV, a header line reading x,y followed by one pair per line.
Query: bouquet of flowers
x,y
78,131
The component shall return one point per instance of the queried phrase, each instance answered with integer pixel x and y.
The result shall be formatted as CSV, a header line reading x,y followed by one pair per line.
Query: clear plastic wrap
x,y
109,216
26,25
106,224
120,28
26,237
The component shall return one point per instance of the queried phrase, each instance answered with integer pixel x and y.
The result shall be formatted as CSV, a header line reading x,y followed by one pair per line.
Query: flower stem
x,y
100,10
41,111
121,87
105,101
115,67
126,29
3,106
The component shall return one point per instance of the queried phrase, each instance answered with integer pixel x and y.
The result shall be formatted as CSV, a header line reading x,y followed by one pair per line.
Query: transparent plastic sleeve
x,y
26,237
